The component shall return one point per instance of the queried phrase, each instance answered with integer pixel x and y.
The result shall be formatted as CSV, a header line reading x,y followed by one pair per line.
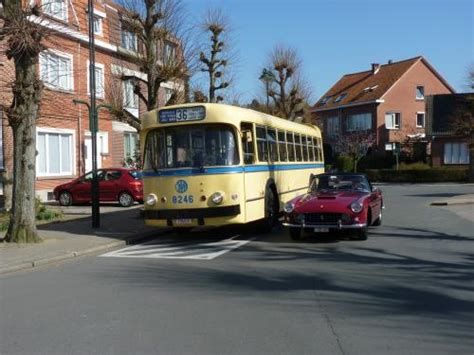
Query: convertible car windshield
x,y
340,182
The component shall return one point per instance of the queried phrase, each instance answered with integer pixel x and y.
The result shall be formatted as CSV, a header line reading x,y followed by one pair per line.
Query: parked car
x,y
335,202
115,184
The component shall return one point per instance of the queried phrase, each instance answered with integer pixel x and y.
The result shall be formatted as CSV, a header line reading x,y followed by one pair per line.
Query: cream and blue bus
x,y
215,164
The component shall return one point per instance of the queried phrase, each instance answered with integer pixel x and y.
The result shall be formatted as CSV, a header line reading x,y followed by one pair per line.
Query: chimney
x,y
375,68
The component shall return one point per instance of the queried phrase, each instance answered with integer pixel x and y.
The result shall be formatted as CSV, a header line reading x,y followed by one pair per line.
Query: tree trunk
x,y
471,161
22,117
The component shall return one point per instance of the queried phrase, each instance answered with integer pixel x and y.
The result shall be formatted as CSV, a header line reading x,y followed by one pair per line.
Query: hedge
x,y
418,175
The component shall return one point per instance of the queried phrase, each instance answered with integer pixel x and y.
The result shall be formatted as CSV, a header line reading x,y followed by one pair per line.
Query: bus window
x,y
317,149
262,144
299,157
290,146
309,142
282,146
305,148
272,144
247,143
320,149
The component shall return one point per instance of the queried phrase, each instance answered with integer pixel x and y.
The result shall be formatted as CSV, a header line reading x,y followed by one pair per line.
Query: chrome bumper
x,y
330,226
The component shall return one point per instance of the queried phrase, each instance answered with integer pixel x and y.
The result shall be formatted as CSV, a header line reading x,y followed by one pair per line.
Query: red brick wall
x,y
402,98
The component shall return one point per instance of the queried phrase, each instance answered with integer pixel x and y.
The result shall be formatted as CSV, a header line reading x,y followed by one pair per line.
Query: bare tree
x,y
160,53
215,59
287,88
354,145
24,43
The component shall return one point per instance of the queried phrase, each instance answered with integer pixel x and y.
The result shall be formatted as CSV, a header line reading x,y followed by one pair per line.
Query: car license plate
x,y
321,230
182,221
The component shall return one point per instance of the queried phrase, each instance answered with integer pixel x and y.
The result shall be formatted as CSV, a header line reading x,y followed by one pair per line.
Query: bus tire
x,y
270,210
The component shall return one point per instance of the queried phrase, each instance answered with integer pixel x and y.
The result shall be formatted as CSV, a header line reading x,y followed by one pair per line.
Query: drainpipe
x,y
79,119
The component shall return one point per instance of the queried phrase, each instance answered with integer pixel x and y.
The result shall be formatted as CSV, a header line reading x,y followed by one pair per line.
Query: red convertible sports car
x,y
338,201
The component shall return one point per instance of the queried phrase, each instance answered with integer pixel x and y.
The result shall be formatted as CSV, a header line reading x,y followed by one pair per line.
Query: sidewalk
x,y
72,238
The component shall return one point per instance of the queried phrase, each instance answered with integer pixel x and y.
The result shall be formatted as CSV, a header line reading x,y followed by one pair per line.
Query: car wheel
x,y
378,221
295,233
125,199
362,233
65,198
271,211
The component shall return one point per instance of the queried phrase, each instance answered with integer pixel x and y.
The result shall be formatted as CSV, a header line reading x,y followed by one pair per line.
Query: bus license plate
x,y
182,221
321,230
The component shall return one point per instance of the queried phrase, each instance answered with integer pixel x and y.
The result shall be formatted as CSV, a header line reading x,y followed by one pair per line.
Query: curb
x,y
71,255
450,203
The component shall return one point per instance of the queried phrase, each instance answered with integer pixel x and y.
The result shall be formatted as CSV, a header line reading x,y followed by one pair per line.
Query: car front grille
x,y
322,218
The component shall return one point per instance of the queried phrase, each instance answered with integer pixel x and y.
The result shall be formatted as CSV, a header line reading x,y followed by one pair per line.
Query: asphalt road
x,y
408,289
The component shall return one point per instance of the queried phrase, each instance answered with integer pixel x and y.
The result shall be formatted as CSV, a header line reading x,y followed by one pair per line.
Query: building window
x,y
56,70
456,153
130,99
99,80
392,120
129,40
333,126
339,98
131,145
168,94
56,8
359,122
169,51
325,100
420,119
420,92
97,22
55,153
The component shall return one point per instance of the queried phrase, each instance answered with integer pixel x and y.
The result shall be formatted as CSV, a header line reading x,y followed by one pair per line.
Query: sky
x,y
335,37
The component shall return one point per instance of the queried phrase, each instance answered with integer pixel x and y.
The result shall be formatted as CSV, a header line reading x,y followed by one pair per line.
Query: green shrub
x,y
43,213
376,160
418,175
4,221
413,166
344,163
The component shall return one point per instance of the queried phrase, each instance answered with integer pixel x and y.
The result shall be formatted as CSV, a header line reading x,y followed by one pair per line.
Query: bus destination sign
x,y
185,114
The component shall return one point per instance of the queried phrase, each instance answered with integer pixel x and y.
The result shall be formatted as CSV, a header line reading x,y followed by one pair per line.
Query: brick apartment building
x,y
63,135
387,100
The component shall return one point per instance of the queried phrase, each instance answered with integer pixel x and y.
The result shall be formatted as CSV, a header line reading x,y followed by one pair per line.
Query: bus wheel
x,y
271,211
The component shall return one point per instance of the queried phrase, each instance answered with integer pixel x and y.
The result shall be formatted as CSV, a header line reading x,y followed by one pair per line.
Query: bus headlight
x,y
288,207
151,200
356,207
217,198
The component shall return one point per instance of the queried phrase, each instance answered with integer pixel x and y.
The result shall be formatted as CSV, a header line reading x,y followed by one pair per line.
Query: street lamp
x,y
93,126
267,77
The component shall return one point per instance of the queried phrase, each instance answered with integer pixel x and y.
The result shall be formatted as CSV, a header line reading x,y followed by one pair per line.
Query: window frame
x,y
102,68
56,131
424,117
70,69
394,125
420,98
124,31
64,10
355,117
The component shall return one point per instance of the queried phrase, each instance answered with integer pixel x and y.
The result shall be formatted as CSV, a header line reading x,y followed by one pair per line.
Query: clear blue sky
x,y
334,37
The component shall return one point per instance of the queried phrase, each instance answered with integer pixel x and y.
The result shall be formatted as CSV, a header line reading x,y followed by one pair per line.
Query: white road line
x,y
187,250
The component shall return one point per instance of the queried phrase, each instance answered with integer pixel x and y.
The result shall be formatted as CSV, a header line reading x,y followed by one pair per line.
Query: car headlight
x,y
151,200
356,207
217,198
289,207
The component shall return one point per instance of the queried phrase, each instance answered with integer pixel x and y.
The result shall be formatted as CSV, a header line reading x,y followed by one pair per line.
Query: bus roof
x,y
233,115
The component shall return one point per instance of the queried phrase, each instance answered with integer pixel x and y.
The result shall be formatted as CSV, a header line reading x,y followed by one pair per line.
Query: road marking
x,y
178,249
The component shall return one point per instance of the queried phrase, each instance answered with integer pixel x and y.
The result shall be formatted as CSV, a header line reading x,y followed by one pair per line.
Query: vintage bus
x,y
215,164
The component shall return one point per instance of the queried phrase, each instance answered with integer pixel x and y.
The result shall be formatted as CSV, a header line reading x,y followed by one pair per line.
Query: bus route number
x,y
182,199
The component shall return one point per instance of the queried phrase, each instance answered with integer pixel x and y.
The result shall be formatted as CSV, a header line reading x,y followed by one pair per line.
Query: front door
x,y
88,155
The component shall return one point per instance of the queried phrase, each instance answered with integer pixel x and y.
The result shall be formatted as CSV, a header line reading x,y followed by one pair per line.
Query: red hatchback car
x,y
115,184
335,202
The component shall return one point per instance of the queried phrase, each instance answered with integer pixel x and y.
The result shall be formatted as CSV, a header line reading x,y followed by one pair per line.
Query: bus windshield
x,y
191,146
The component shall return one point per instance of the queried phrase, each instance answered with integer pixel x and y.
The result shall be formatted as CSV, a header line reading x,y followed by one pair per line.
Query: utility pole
x,y
267,77
94,118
